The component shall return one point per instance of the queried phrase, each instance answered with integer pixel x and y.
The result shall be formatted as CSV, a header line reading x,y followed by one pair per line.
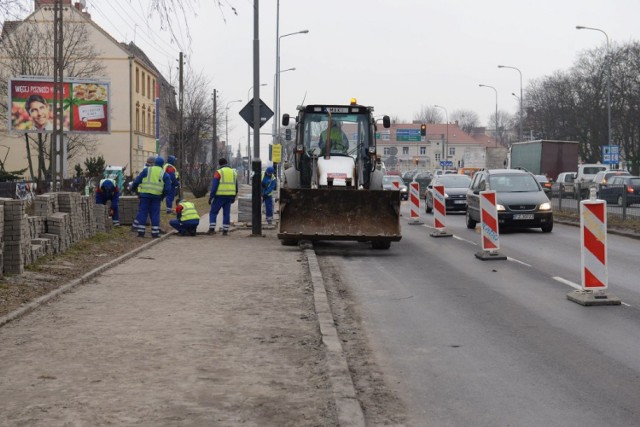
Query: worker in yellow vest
x,y
152,185
224,189
187,218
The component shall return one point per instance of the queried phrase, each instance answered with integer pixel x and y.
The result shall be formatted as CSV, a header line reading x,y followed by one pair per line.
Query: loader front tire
x,y
381,244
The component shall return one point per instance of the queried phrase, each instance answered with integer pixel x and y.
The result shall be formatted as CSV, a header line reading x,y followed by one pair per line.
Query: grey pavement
x,y
204,330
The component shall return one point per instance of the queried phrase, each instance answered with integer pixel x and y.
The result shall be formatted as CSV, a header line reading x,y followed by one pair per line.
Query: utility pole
x,y
256,164
57,138
180,106
214,134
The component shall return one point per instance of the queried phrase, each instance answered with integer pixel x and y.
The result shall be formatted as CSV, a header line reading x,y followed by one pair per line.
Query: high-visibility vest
x,y
337,143
227,185
188,211
166,165
152,183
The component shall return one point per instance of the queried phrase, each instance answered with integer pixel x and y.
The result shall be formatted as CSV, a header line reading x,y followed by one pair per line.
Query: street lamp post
x,y
496,91
249,134
226,120
444,156
276,85
521,111
580,27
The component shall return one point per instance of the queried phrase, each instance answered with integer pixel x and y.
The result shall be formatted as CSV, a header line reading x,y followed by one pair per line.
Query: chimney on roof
x,y
40,3
78,4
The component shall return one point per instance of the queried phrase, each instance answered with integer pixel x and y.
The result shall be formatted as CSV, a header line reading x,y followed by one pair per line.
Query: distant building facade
x,y
402,147
134,85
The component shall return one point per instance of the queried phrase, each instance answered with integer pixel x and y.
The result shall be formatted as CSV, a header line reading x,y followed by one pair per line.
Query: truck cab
x,y
584,178
564,185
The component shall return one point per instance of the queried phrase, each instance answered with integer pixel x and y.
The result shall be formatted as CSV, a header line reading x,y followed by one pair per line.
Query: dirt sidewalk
x,y
223,334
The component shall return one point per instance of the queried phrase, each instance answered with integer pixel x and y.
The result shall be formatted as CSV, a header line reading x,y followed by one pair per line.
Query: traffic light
x,y
287,134
423,130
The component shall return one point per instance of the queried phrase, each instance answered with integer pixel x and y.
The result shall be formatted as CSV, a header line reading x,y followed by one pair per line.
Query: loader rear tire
x,y
381,244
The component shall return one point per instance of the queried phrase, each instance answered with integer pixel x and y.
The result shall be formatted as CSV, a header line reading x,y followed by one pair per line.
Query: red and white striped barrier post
x,y
439,212
489,227
414,198
593,255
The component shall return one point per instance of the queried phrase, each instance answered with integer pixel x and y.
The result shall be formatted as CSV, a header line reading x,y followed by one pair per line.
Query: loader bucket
x,y
339,214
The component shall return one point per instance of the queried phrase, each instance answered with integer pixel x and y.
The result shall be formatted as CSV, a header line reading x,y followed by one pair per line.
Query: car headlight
x,y
546,206
500,208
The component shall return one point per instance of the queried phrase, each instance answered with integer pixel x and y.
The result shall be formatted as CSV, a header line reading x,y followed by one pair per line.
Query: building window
x,y
148,87
144,122
387,151
423,151
154,89
138,118
405,150
149,121
437,157
143,92
452,151
137,80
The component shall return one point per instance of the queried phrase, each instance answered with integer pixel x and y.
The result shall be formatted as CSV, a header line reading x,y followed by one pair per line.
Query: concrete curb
x,y
347,406
610,230
16,314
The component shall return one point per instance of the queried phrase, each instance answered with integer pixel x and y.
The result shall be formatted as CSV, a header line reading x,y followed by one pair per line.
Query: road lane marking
x,y
567,282
518,261
465,240
624,303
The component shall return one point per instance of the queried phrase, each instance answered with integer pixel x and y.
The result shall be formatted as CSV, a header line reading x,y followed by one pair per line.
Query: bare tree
x,y
428,114
197,132
505,124
11,9
467,119
28,50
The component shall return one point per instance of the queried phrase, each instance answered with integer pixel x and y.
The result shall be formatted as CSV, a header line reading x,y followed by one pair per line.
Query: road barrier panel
x,y
414,199
439,212
593,255
489,228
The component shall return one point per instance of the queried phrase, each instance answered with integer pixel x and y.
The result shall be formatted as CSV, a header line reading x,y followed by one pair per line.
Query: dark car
x,y
601,180
395,183
520,200
455,192
544,183
407,177
423,178
621,188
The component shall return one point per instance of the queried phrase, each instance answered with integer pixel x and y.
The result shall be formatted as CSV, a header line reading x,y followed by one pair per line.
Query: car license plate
x,y
523,216
459,202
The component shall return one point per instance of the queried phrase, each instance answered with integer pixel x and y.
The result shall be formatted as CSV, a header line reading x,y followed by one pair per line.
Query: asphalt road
x,y
496,343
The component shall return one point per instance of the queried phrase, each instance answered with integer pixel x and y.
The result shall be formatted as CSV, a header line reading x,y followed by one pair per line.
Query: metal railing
x,y
620,203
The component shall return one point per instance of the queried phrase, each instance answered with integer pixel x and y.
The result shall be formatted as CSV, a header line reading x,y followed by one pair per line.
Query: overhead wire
x,y
144,36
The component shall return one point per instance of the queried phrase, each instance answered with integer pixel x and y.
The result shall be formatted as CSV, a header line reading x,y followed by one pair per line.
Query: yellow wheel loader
x,y
333,188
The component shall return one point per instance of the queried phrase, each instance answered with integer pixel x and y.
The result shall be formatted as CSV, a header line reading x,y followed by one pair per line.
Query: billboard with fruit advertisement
x,y
85,105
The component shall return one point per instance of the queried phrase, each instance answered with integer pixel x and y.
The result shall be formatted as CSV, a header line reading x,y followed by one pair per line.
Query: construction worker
x,y
269,185
152,185
108,191
338,139
174,176
150,161
224,189
187,218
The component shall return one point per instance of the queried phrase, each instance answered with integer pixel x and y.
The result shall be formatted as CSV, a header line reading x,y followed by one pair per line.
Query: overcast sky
x,y
395,55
